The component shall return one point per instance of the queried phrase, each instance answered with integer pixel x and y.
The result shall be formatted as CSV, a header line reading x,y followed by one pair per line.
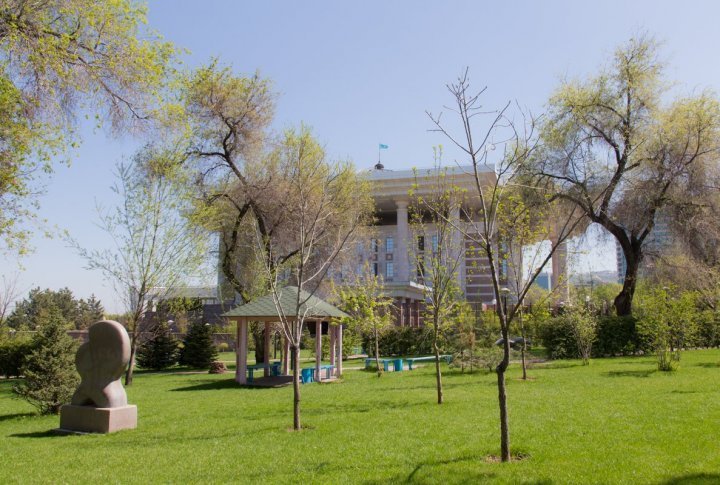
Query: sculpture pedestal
x,y
88,419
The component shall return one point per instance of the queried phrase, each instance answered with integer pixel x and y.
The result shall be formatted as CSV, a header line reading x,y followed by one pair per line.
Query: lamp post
x,y
504,292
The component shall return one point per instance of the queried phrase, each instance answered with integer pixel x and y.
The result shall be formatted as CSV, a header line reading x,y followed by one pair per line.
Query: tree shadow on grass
x,y
709,365
413,477
9,417
629,373
694,479
216,385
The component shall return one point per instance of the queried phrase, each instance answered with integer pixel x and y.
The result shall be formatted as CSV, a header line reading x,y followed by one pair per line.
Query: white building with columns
x,y
390,256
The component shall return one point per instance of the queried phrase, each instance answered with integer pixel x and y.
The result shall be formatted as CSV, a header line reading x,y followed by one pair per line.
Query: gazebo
x,y
316,311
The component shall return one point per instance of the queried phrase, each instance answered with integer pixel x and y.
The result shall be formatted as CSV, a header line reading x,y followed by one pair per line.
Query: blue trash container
x,y
398,364
306,376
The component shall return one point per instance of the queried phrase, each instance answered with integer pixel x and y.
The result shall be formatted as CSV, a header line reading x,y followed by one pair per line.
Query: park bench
x,y
411,361
397,364
307,374
273,366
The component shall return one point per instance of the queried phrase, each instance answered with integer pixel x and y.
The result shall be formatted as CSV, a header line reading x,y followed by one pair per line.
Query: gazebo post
x,y
318,348
266,343
333,341
339,355
286,357
241,348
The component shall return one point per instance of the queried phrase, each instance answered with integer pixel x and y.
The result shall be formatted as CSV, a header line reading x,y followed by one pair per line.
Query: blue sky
x,y
364,73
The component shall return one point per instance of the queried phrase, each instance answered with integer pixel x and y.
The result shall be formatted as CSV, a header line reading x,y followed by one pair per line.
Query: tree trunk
x,y
131,364
377,353
502,396
524,345
438,375
258,333
296,387
623,302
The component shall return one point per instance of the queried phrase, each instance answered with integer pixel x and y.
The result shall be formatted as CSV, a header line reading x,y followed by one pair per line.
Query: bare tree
x,y
435,220
9,292
156,246
480,222
324,205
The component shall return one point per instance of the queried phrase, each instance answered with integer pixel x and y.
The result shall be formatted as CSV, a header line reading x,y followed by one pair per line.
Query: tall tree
x,y
58,58
228,116
157,246
9,292
28,312
622,156
435,220
480,221
323,206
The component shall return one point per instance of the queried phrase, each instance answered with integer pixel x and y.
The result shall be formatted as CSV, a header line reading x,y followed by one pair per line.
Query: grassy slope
x,y
614,421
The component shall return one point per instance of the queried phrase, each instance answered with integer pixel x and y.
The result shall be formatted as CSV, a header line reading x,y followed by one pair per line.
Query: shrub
x,y
617,336
12,356
223,347
489,357
160,352
198,349
401,341
557,336
49,370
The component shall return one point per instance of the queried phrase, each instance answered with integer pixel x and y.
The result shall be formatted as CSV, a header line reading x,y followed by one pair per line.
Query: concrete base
x,y
87,419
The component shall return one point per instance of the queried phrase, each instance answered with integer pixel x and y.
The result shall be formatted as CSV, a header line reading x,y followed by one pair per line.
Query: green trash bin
x,y
398,364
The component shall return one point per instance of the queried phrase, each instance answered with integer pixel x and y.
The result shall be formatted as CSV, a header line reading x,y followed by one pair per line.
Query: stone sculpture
x,y
99,404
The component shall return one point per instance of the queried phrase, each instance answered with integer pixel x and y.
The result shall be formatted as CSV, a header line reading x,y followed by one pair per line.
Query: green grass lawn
x,y
615,421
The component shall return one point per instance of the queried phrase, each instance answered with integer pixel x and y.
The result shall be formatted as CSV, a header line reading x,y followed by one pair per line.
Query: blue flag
x,y
383,147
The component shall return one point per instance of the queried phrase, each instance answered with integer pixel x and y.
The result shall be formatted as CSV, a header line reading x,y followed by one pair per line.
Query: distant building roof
x,y
264,307
164,293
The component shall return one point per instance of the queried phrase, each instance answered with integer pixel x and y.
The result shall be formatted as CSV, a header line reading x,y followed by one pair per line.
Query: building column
x,y
559,280
266,344
241,349
458,245
339,357
400,255
417,313
286,357
331,332
318,349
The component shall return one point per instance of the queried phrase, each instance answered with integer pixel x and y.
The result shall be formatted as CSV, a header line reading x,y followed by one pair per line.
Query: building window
x,y
389,245
421,243
374,245
389,270
435,243
420,269
375,269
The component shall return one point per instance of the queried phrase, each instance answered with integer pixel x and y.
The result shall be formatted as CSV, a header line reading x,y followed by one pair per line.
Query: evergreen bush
x,y
12,356
198,348
49,370
160,352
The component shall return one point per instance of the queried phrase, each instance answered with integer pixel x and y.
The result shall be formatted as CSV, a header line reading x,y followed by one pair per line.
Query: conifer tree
x,y
198,350
49,370
160,352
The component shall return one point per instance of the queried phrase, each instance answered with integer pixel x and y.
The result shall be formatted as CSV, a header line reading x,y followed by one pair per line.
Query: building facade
x,y
393,249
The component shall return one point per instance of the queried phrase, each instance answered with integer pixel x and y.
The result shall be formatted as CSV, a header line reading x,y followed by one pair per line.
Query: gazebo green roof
x,y
264,307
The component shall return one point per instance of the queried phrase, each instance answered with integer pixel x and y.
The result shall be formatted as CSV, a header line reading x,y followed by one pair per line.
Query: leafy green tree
x,y
615,151
58,58
29,312
367,306
198,347
157,241
583,324
160,351
49,370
